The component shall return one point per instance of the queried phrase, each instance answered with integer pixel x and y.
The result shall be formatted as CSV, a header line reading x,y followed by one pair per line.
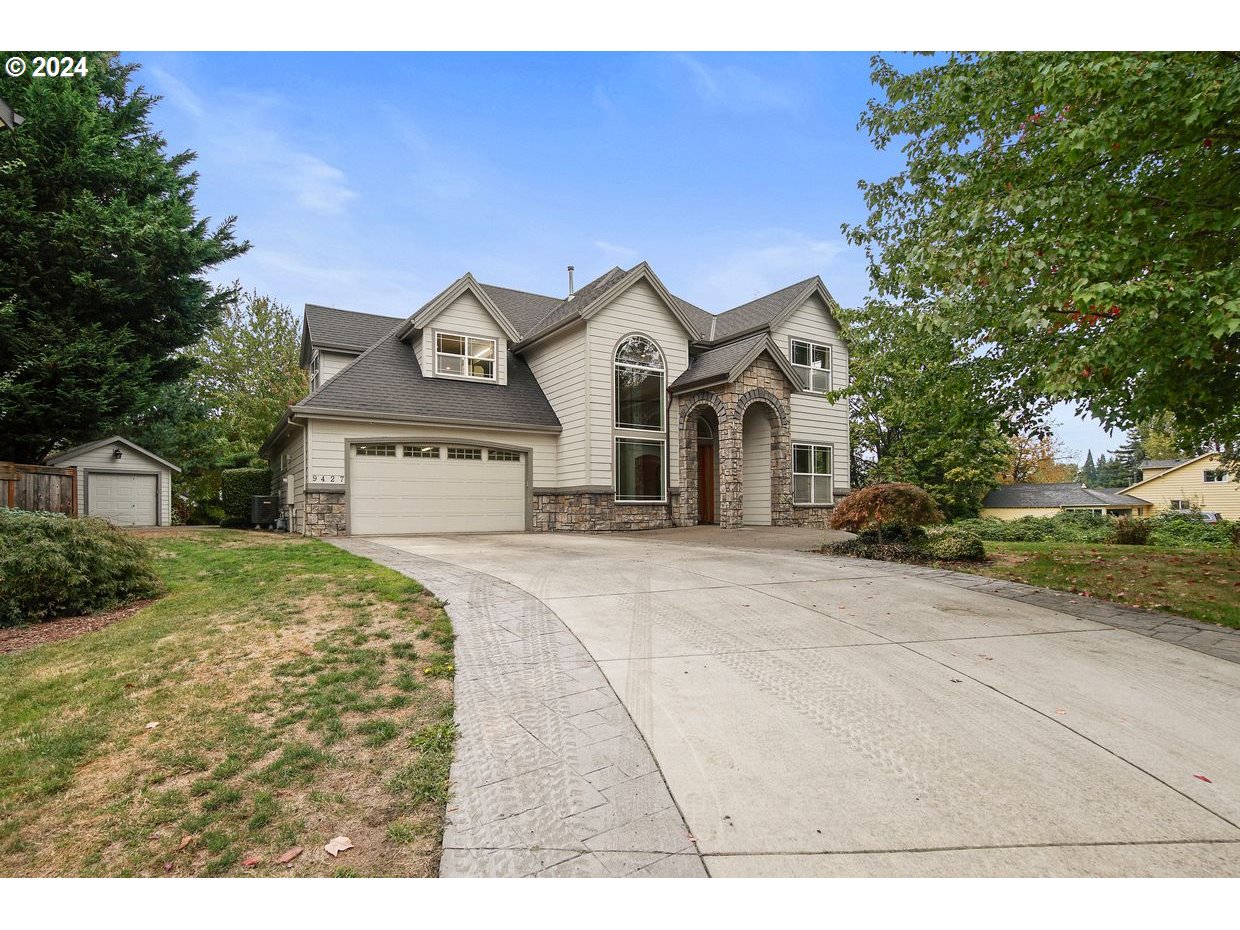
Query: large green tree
x,y
921,409
102,259
244,373
1077,218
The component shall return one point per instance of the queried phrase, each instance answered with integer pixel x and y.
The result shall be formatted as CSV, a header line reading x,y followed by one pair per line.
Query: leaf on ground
x,y
338,845
1203,778
152,725
185,841
250,862
167,866
289,856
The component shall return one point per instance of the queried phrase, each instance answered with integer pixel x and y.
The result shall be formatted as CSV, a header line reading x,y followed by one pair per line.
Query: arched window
x,y
640,384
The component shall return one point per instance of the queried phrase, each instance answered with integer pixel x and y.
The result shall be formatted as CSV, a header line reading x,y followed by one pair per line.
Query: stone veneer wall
x,y
324,514
597,511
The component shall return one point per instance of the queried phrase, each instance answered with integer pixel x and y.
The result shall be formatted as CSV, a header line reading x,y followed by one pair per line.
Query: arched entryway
x,y
707,466
756,428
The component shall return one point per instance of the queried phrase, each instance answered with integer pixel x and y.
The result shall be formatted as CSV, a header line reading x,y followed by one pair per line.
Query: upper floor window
x,y
314,372
1215,475
813,363
465,356
1181,505
640,384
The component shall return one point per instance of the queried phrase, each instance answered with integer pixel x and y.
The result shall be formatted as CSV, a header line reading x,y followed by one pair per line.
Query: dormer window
x,y
458,356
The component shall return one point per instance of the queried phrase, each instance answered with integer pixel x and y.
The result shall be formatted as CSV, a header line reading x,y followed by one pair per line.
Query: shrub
x,y
1174,529
886,509
238,486
957,546
1069,526
52,565
1129,532
884,552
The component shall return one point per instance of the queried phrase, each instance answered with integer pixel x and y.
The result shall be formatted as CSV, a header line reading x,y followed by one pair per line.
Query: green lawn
x,y
1203,584
299,693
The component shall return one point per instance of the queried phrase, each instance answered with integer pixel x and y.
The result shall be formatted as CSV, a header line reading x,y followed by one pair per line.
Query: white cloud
x,y
736,88
619,252
237,130
768,261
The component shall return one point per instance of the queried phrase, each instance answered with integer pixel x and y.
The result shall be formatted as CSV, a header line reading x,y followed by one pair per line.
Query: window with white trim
x,y
812,474
640,379
1214,475
503,455
315,366
465,454
639,471
421,452
812,362
465,356
1181,505
370,448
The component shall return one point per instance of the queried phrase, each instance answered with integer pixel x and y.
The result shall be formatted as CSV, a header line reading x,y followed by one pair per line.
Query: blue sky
x,y
371,181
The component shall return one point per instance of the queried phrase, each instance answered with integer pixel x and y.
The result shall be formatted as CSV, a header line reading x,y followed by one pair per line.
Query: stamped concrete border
x,y
1218,641
551,776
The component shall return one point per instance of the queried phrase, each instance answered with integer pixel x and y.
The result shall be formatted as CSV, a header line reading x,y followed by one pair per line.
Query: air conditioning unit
x,y
263,510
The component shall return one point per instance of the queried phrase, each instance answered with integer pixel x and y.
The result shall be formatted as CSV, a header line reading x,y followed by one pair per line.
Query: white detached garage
x,y
121,482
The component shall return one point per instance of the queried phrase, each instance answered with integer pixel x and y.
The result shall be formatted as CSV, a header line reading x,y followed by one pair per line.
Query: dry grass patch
x,y
290,684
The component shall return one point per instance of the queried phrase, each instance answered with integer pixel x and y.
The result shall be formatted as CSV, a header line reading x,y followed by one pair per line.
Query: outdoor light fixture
x,y
117,453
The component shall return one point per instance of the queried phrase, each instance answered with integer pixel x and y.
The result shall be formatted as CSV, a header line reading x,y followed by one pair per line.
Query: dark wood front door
x,y
706,482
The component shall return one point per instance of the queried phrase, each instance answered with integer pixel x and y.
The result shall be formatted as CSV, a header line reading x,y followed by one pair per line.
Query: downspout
x,y
667,464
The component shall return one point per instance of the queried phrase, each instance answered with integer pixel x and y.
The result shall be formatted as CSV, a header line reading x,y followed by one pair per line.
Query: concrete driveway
x,y
830,717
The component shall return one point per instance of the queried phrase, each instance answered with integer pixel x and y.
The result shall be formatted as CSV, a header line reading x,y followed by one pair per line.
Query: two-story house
x,y
620,406
1198,483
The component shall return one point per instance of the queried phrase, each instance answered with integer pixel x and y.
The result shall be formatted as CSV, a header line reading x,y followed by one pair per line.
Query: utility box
x,y
263,510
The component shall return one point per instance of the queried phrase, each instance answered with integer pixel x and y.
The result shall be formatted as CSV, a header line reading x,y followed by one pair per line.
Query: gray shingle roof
x,y
1064,494
717,363
387,379
759,312
567,308
346,329
522,308
1161,463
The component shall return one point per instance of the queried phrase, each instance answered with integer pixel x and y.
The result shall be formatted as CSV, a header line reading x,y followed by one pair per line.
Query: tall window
x,y
813,363
640,378
464,356
314,372
639,471
811,475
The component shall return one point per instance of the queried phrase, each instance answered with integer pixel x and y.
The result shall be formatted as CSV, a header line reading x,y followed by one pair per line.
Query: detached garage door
x,y
399,488
127,500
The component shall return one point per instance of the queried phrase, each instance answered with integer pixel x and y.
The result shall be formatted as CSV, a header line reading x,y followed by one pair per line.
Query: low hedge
x,y
238,486
956,546
52,565
1168,529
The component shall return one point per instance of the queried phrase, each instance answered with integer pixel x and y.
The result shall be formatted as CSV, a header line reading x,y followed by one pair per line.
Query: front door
x,y
706,482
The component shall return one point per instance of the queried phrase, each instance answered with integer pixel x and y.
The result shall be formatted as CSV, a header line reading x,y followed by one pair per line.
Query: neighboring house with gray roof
x,y
620,406
1014,501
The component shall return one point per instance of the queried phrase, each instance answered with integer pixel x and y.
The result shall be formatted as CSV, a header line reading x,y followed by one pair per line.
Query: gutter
x,y
338,414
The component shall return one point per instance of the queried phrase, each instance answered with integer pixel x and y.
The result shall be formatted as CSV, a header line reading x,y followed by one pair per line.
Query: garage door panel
x,y
126,500
393,495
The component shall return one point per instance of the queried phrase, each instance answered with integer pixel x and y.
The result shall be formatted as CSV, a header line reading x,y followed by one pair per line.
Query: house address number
x,y
327,479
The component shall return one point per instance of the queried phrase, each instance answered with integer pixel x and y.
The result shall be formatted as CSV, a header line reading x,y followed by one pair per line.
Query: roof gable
x,y
440,303
725,363
770,311
111,440
341,330
1183,463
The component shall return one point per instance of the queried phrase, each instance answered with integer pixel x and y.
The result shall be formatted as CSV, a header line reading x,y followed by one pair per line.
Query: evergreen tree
x,y
102,260
1089,471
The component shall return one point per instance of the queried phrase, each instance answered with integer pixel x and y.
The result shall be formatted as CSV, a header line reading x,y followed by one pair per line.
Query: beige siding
x,y
332,363
559,365
1015,513
327,442
756,468
295,468
813,418
637,310
1188,483
467,317
101,460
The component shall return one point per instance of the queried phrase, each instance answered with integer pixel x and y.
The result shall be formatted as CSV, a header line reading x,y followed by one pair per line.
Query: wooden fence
x,y
38,487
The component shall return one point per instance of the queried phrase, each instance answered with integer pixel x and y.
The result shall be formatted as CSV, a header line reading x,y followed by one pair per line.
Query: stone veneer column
x,y
325,513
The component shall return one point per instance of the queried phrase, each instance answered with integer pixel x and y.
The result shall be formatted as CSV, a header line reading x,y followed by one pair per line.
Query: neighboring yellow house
x,y
1200,483
1013,501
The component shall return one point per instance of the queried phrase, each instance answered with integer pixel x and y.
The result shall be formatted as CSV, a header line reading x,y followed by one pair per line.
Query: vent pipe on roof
x,y
570,282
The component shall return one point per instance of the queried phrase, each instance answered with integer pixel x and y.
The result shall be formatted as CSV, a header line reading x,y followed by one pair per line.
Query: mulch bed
x,y
19,638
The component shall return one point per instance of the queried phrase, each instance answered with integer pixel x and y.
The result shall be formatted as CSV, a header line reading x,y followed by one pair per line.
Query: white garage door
x,y
128,500
399,488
